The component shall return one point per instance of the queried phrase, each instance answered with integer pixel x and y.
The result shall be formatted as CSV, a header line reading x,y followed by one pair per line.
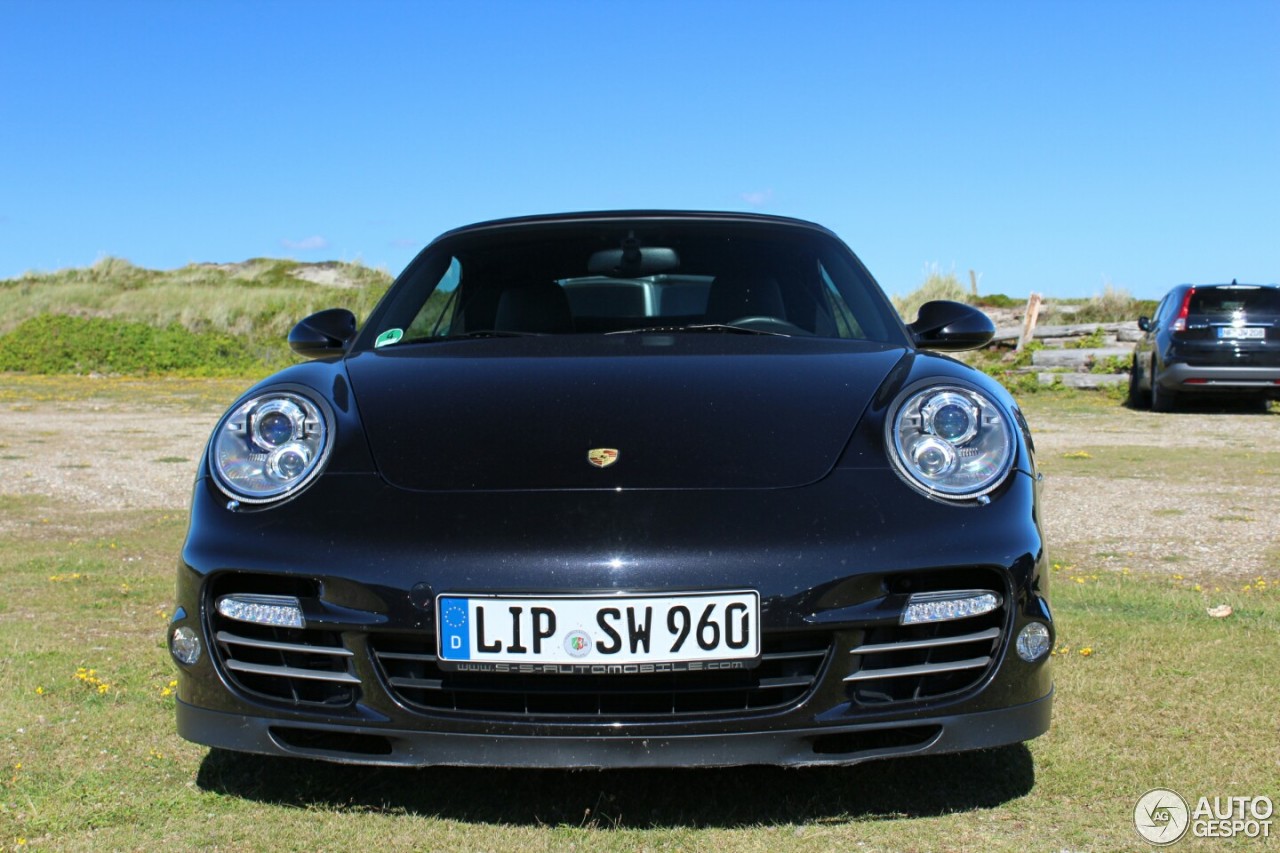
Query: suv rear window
x,y
1252,301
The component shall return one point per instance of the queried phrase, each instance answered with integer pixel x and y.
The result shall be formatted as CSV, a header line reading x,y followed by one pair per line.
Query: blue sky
x,y
1050,146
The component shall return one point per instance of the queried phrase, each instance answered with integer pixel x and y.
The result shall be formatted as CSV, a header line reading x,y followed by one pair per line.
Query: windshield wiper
x,y
700,327
485,333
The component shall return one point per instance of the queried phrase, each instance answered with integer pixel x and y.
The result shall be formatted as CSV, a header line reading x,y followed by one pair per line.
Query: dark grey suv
x,y
1221,339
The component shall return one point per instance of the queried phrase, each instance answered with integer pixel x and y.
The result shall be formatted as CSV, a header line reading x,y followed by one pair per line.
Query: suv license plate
x,y
1238,333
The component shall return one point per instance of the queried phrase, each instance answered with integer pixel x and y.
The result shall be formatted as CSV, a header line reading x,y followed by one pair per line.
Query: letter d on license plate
x,y
588,630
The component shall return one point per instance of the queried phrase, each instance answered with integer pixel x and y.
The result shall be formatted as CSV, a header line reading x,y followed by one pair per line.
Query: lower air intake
x,y
789,668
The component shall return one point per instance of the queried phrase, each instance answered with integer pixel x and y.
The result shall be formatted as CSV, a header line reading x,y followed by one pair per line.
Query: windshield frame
x,y
411,290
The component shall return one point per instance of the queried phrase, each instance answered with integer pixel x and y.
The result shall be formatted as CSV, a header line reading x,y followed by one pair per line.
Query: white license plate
x,y
1239,333
585,633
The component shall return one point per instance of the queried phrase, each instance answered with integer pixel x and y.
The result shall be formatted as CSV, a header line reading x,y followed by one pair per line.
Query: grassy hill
x,y
1110,306
201,319
232,319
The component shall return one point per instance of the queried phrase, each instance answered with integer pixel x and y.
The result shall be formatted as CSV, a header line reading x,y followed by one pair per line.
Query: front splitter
x,y
828,745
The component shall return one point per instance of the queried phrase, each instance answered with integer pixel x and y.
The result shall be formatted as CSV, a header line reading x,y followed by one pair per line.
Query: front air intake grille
x,y
789,668
905,663
298,666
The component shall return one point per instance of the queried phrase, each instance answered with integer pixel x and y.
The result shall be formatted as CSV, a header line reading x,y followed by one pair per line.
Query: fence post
x,y
1029,320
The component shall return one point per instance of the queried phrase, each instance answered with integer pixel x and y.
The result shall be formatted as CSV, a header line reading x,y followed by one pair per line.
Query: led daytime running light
x,y
927,607
281,611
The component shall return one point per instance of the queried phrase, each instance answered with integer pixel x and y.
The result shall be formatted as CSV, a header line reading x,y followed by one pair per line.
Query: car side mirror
x,y
951,327
324,333
1144,323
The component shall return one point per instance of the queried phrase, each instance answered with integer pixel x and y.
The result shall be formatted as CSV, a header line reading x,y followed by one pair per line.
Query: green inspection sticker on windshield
x,y
390,336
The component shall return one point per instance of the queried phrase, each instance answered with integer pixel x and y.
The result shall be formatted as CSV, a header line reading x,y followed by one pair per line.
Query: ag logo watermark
x,y
1163,817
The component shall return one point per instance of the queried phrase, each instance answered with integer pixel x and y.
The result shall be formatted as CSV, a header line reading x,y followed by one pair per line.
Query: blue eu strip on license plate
x,y
585,630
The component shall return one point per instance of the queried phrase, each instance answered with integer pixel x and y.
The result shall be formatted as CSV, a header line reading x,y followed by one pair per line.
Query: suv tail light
x,y
1180,322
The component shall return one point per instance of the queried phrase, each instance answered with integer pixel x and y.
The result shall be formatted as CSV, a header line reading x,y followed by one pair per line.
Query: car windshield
x,y
618,277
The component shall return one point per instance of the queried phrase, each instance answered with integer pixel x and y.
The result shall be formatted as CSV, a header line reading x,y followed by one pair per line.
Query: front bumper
x,y
825,560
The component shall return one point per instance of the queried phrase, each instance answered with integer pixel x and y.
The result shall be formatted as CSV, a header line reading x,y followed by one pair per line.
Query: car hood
x,y
683,411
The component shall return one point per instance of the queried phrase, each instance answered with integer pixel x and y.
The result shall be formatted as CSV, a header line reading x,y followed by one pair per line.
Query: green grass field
x,y
1152,692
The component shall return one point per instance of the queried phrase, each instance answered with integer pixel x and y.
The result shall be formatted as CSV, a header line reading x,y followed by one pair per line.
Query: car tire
x,y
1162,399
1138,399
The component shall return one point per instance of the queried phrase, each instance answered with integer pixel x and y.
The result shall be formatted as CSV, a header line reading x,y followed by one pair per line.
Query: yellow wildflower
x,y
1086,651
89,677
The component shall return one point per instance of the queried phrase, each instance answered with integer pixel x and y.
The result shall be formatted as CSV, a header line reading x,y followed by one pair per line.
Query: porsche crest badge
x,y
602,457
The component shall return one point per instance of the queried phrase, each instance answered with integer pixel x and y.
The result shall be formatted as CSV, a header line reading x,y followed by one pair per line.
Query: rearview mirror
x,y
1144,323
633,261
323,333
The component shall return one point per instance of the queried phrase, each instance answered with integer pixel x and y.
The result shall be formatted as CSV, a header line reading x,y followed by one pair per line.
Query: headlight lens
x,y
953,442
269,447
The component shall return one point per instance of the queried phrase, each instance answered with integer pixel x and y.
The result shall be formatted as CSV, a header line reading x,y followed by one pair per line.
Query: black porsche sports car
x,y
619,489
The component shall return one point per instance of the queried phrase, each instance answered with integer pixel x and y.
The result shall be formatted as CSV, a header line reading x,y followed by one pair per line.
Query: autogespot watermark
x,y
1163,817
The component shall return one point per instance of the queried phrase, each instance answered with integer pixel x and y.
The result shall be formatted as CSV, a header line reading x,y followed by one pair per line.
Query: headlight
x,y
269,447
951,441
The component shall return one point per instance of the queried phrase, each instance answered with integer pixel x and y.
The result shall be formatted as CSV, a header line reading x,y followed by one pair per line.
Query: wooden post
x,y
1029,320
973,284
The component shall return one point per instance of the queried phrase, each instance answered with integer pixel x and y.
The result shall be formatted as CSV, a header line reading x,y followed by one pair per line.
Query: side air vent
x,y
908,663
298,666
